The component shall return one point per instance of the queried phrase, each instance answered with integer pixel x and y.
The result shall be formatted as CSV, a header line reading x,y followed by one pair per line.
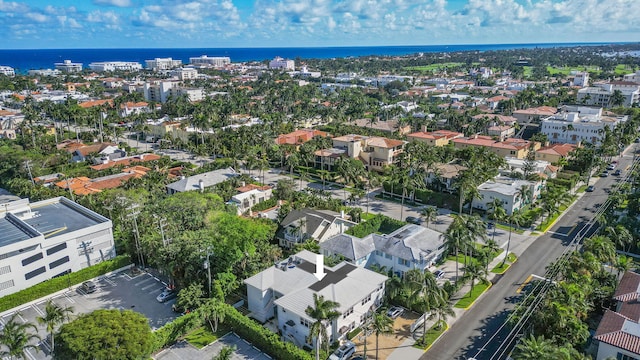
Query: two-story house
x,y
435,138
512,147
285,290
513,193
375,152
304,224
410,247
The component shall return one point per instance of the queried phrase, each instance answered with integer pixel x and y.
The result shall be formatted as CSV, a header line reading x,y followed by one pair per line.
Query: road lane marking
x,y
524,284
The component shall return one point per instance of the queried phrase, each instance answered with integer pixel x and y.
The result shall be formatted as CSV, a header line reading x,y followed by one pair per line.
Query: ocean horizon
x,y
23,60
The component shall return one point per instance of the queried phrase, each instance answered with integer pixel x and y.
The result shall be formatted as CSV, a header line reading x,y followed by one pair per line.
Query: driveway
x,y
185,351
388,343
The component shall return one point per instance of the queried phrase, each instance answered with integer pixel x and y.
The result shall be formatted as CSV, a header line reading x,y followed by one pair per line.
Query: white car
x,y
166,295
345,351
395,311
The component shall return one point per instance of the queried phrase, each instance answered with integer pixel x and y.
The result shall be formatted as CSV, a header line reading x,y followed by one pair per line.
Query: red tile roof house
x,y
299,137
618,335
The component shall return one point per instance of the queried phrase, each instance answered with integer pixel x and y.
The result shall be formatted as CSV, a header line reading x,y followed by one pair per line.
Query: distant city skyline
x,y
48,24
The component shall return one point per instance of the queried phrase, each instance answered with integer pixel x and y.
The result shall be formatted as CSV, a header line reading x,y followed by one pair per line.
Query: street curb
x,y
476,299
438,338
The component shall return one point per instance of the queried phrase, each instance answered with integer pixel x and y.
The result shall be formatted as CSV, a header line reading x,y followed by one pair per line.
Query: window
x,y
31,259
34,273
366,300
5,285
348,312
403,262
621,356
59,262
388,256
304,322
56,248
5,269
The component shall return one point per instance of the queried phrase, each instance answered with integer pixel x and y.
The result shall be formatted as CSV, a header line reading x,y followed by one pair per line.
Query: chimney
x,y
201,185
341,214
243,184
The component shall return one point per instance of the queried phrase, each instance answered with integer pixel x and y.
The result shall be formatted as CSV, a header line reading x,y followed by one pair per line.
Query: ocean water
x,y
23,60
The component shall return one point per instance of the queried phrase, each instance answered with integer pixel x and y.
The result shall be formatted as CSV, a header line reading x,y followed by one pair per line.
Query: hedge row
x,y
263,338
51,286
171,332
267,204
377,224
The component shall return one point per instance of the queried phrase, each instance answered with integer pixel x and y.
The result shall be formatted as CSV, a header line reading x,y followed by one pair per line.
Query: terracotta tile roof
x,y
299,136
350,138
131,105
436,134
541,110
93,103
84,185
487,141
126,161
502,118
250,187
615,330
558,149
497,98
94,148
630,309
629,287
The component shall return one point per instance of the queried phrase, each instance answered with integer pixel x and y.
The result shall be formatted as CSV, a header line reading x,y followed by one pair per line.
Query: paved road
x,y
472,331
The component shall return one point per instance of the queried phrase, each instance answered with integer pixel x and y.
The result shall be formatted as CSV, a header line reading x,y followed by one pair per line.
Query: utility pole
x,y
27,164
207,265
86,250
136,233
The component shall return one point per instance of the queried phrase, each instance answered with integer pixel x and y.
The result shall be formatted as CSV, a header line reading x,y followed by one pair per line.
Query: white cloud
x,y
10,6
117,3
37,17
107,17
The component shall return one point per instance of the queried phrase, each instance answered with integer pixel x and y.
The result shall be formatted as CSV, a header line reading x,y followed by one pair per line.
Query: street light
x,y
207,266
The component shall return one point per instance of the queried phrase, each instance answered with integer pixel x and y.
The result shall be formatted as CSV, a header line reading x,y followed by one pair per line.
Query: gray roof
x,y
209,179
410,242
344,283
313,220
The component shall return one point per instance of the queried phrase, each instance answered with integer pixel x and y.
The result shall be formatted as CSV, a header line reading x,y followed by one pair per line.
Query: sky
x,y
51,24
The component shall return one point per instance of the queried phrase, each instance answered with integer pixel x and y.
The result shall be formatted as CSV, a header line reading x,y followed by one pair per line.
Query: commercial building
x,y
162,64
115,66
185,73
282,64
578,124
47,239
287,289
7,71
69,67
215,61
602,94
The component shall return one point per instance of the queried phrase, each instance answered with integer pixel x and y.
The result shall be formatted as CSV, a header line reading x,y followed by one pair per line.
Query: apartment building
x,y
115,66
7,71
279,63
162,64
601,94
214,61
47,239
185,73
68,67
578,124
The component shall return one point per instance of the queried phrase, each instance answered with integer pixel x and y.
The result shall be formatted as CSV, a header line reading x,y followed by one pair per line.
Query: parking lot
x,y
184,351
123,290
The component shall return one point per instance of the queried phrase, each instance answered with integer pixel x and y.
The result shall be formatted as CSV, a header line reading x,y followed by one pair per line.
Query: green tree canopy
x,y
105,334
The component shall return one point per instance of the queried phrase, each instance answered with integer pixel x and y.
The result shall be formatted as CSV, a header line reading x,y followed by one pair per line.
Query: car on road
x,y
395,311
166,295
438,274
344,352
617,172
88,287
413,220
590,188
490,225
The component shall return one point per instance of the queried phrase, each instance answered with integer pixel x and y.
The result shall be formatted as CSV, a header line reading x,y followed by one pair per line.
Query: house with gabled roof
x,y
407,248
202,181
284,292
554,152
618,334
512,147
299,137
304,224
435,138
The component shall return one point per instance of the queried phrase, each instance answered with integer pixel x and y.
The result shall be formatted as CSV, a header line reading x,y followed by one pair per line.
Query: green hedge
x,y
377,224
171,332
267,204
261,337
56,284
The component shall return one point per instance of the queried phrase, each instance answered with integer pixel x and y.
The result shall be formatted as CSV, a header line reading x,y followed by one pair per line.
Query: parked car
x,y
438,274
604,174
611,166
166,295
590,188
395,311
413,220
490,225
88,287
617,172
344,352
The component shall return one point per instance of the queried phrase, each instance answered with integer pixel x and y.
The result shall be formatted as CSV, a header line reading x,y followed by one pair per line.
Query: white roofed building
x,y
69,67
282,64
115,66
510,191
578,125
215,61
285,290
7,71
162,64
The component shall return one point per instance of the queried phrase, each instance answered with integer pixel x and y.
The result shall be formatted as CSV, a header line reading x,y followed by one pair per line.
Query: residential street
x,y
471,335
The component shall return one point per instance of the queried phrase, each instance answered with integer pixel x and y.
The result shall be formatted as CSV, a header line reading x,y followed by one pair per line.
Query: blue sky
x,y
34,24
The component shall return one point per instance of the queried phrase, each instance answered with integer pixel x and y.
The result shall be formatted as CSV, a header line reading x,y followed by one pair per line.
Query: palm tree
x,y
533,348
430,214
54,315
601,247
323,311
212,312
475,271
441,310
623,264
16,337
381,325
453,242
623,237
514,219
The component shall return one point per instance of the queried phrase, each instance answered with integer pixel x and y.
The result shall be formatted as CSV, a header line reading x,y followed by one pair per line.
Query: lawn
x,y
501,268
201,337
545,225
461,258
582,189
432,335
367,216
433,67
506,227
566,70
472,296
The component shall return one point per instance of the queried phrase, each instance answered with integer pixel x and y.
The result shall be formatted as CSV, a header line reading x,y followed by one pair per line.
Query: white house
x,y
578,125
249,196
285,290
202,181
304,224
539,167
509,191
581,79
410,247
47,239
